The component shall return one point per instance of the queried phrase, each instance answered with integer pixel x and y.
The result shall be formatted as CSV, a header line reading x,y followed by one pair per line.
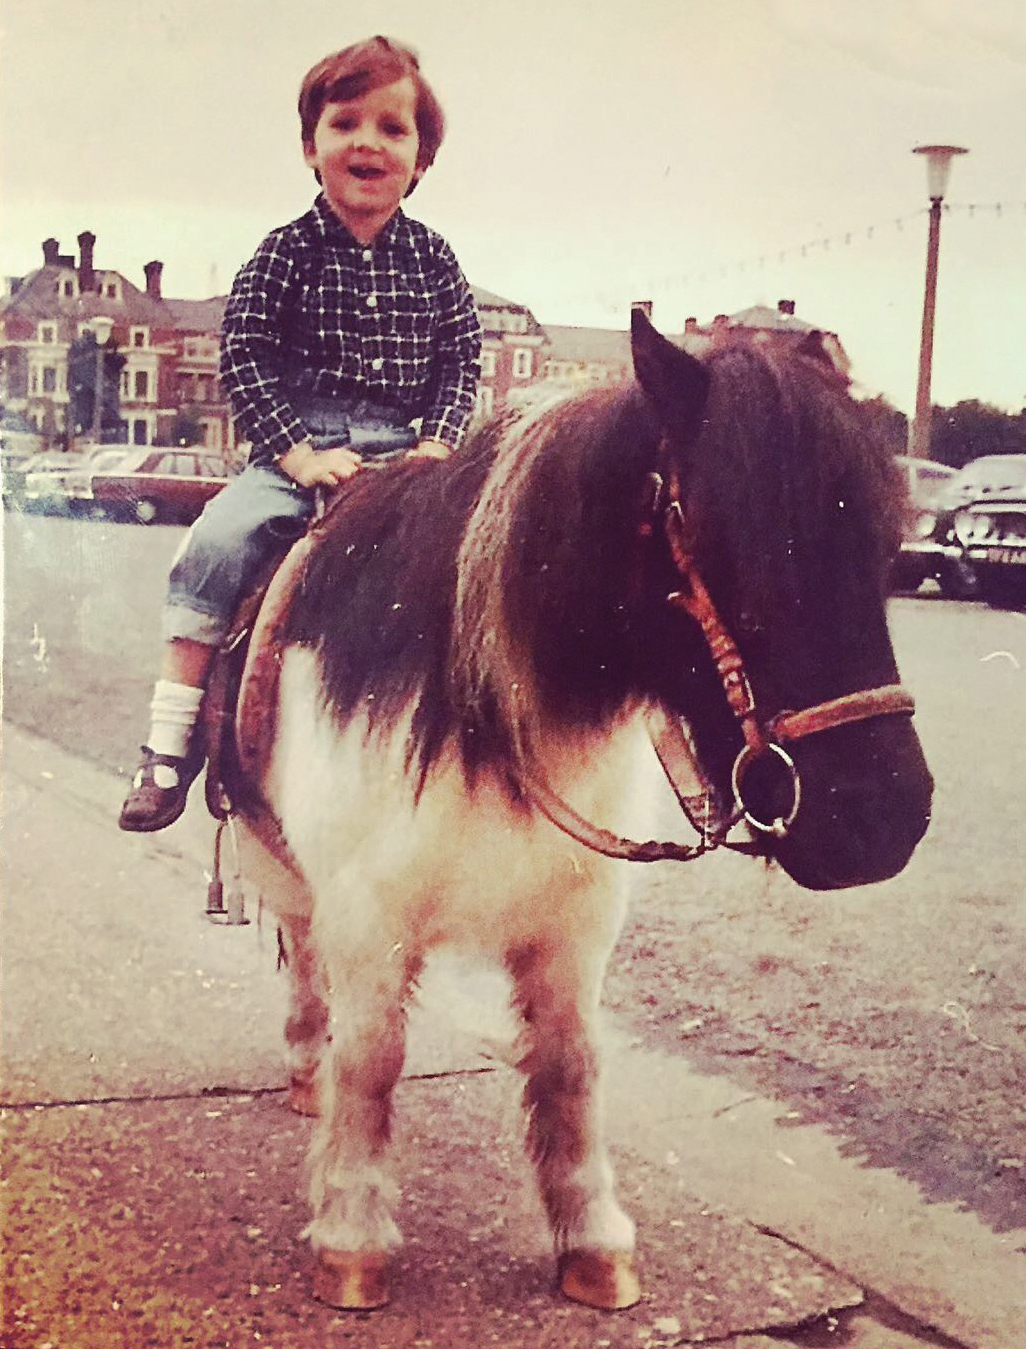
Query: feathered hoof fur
x,y
603,1279
353,1280
303,1096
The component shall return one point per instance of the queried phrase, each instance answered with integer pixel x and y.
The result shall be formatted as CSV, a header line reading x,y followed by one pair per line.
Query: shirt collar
x,y
333,230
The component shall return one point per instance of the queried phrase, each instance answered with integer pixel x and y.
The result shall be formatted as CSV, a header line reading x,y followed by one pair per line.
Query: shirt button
x,y
367,255
377,363
372,301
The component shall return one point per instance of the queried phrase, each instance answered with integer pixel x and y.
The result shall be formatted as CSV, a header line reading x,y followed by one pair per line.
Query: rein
x,y
761,738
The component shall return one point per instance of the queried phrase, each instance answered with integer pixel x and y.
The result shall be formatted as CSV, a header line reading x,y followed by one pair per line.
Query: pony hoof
x,y
606,1280
303,1096
353,1280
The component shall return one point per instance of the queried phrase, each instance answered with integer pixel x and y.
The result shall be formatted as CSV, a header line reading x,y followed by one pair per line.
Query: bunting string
x,y
843,239
876,232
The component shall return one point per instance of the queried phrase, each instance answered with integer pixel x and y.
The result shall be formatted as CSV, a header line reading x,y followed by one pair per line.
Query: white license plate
x,y
1014,557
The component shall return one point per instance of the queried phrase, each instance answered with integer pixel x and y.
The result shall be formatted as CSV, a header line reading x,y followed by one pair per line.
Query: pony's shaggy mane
x,y
509,592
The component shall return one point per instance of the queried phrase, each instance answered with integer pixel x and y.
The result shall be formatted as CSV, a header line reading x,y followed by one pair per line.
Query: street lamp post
x,y
102,328
938,166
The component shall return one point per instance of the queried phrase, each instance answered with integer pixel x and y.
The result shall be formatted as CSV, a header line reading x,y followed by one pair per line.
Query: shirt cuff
x,y
270,442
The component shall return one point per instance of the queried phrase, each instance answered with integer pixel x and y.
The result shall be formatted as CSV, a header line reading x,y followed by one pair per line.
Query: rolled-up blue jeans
x,y
258,514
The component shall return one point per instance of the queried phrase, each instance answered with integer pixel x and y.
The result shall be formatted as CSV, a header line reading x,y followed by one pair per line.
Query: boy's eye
x,y
395,129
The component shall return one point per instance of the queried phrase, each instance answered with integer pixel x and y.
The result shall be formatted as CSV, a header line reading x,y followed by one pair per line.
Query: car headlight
x,y
926,523
972,527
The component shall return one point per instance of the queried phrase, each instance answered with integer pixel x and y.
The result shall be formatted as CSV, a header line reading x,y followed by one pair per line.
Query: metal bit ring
x,y
778,827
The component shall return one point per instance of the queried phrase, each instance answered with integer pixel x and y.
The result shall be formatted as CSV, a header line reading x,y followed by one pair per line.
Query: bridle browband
x,y
761,738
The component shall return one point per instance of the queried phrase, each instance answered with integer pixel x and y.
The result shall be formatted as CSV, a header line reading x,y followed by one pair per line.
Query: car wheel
x,y
146,511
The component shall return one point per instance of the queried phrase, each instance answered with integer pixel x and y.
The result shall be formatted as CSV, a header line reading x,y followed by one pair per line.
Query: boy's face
x,y
365,150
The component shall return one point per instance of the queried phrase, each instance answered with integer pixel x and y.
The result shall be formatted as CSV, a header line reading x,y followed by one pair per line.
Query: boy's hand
x,y
430,449
319,468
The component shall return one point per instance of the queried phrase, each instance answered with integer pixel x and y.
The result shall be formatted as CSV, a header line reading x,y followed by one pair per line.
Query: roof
x,y
38,297
762,316
585,345
198,316
486,299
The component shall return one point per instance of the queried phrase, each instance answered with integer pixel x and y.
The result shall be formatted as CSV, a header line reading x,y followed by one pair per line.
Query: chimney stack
x,y
86,275
644,305
51,247
153,272
691,324
786,307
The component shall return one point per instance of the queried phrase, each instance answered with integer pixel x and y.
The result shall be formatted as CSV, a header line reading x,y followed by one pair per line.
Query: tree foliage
x,y
971,429
82,386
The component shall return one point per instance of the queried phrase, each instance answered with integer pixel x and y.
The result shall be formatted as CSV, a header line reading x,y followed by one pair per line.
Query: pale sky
x,y
598,151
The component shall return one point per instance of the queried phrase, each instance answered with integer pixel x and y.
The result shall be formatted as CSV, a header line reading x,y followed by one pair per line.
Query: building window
x,y
139,432
522,363
139,337
487,364
211,433
47,332
110,290
69,286
33,380
141,389
201,390
485,400
49,379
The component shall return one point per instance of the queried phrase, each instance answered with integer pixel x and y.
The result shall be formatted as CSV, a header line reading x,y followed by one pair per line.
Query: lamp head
x,y
938,166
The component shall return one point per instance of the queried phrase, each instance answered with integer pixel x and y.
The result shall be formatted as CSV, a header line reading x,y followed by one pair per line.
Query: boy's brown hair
x,y
369,65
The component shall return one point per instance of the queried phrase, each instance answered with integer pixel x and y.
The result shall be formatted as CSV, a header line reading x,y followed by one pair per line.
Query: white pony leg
x,y
307,1020
353,1229
594,1237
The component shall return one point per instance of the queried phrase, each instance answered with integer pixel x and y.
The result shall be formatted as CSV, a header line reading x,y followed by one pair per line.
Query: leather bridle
x,y
761,737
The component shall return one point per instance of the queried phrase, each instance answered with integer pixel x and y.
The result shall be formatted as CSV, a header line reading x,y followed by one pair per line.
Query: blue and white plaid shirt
x,y
317,314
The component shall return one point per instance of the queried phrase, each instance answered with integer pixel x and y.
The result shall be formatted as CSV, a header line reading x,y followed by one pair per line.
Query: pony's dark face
x,y
791,514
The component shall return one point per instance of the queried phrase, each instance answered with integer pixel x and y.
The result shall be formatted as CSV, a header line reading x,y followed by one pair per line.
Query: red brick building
x,y
45,312
169,384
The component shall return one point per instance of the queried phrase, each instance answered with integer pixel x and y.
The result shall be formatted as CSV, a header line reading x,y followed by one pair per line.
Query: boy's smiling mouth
x,y
365,171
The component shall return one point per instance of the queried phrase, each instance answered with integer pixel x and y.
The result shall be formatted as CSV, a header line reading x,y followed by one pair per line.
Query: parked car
x,y
62,485
152,483
930,550
20,442
990,524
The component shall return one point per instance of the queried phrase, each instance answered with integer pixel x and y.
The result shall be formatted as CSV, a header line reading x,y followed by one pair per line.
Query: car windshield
x,y
992,473
106,460
47,463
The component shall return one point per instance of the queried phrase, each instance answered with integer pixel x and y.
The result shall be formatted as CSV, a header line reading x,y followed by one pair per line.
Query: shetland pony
x,y
464,629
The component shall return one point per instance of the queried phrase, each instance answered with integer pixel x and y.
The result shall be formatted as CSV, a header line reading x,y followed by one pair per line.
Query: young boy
x,y
347,324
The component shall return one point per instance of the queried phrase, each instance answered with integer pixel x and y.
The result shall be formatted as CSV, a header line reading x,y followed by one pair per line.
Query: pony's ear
x,y
675,381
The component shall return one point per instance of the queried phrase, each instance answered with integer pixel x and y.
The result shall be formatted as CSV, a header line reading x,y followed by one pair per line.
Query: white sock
x,y
173,713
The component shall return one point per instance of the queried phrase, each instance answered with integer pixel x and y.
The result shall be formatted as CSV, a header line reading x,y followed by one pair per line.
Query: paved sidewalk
x,y
153,1192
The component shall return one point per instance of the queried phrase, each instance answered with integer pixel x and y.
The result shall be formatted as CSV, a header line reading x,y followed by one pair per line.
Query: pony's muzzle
x,y
767,788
